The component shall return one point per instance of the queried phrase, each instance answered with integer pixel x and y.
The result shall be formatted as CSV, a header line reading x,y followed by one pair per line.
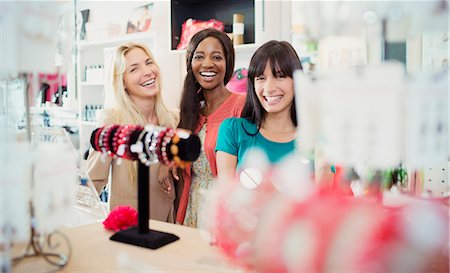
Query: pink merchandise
x,y
238,82
192,26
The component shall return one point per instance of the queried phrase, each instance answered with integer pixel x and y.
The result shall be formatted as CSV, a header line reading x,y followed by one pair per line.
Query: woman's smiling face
x,y
274,92
209,63
141,76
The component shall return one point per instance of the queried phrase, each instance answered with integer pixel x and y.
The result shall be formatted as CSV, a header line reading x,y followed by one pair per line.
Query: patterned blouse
x,y
202,178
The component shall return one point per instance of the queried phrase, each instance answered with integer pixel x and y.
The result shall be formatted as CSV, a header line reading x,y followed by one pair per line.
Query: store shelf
x,y
91,83
205,10
113,41
60,112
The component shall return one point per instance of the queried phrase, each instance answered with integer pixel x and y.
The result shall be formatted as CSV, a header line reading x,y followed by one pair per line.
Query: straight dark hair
x,y
192,95
284,60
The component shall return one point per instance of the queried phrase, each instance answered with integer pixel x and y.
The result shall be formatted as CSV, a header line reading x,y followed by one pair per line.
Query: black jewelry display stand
x,y
142,235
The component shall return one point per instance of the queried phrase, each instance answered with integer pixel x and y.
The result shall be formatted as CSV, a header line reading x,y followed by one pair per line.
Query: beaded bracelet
x,y
174,151
118,135
130,154
150,146
138,148
101,146
108,139
165,141
115,138
159,144
150,143
123,141
155,146
105,139
95,145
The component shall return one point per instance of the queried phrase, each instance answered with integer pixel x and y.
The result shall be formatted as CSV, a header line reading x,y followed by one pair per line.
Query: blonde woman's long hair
x,y
118,105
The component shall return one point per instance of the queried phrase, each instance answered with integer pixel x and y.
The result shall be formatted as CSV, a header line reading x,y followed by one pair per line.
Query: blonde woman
x,y
134,97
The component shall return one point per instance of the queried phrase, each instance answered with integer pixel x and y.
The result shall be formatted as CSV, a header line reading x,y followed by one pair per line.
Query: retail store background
x,y
326,35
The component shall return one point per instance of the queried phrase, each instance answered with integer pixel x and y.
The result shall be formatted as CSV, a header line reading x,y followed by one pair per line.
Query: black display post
x,y
142,235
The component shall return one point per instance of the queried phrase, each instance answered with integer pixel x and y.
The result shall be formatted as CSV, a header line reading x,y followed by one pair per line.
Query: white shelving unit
x,y
92,92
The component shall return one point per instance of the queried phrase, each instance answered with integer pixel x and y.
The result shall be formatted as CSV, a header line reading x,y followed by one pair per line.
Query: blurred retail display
x,y
287,224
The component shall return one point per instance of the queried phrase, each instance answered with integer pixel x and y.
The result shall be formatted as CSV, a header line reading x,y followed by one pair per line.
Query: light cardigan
x,y
231,107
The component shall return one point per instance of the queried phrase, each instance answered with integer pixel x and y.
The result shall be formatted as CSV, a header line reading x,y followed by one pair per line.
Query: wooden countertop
x,y
92,251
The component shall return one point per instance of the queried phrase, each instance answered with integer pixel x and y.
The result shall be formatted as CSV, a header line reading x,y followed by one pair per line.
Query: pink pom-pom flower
x,y
120,218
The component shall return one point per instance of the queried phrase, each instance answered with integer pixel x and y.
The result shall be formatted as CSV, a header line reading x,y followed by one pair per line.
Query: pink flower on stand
x,y
120,218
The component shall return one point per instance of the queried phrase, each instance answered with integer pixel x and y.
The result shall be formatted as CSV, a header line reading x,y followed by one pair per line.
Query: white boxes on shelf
x,y
94,73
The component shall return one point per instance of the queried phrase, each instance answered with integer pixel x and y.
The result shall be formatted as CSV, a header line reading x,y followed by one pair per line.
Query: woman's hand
x,y
165,175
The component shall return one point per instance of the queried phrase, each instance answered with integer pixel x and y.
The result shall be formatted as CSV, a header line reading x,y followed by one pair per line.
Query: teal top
x,y
234,140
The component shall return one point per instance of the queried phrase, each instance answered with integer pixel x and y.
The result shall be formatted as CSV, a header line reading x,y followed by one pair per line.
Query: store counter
x,y
92,251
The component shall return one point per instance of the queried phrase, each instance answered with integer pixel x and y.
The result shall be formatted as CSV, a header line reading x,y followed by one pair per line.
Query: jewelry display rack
x,y
142,235
128,142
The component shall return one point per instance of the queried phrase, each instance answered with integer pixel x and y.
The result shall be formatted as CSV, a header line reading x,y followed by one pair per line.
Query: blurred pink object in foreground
x,y
266,231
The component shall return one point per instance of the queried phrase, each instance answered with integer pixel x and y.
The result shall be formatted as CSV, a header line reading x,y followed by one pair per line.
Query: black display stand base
x,y
152,239
142,235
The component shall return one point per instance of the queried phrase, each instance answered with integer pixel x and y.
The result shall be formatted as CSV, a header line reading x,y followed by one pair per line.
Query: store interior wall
x,y
293,14
330,25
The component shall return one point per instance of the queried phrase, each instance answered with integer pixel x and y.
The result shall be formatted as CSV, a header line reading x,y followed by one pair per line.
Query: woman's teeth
x,y
273,99
148,82
208,74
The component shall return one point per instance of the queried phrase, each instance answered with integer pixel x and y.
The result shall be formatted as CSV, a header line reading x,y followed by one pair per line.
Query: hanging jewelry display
x,y
149,145
51,183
